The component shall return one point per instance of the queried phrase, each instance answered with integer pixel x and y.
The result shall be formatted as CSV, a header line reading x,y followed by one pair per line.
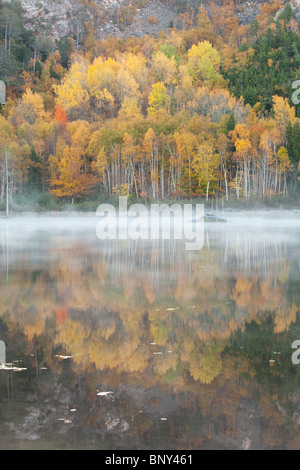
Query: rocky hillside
x,y
58,18
122,18
55,18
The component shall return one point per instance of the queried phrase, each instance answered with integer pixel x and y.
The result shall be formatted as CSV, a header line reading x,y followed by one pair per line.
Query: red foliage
x,y
61,115
61,314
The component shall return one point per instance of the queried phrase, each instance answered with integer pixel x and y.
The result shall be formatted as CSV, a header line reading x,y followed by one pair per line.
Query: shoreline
x,y
215,207
88,214
85,207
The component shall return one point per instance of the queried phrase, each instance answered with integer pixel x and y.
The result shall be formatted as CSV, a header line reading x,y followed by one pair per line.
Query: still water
x,y
143,345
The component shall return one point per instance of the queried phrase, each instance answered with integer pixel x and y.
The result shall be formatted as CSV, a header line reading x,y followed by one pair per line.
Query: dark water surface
x,y
144,345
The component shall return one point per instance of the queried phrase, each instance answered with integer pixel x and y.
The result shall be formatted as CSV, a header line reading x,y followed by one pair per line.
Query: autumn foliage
x,y
61,115
164,118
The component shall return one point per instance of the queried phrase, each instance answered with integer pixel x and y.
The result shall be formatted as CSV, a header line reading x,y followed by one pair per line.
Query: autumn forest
x,y
142,343
203,111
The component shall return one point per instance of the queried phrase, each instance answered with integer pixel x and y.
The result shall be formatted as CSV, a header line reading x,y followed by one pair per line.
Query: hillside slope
x,y
122,18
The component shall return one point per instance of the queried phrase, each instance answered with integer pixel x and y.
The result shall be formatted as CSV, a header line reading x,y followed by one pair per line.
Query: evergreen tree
x,y
293,140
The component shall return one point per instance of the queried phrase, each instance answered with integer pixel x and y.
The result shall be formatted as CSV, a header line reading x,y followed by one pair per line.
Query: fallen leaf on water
x,y
11,367
63,357
103,394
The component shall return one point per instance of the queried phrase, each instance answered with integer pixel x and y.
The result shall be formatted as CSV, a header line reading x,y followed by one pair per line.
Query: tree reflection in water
x,y
144,345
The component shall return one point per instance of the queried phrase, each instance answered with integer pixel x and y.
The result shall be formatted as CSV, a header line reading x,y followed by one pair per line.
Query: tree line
x,y
204,111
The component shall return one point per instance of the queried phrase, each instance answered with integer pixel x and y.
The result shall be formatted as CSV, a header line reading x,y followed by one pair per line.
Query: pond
x,y
123,344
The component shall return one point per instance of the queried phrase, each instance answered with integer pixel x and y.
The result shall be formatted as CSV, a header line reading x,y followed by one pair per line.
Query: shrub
x,y
152,20
46,202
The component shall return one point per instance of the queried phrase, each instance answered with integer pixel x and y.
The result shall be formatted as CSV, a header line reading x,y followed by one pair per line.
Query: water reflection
x,y
131,345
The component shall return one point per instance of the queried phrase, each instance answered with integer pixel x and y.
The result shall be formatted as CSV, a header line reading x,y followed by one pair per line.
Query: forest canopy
x,y
204,110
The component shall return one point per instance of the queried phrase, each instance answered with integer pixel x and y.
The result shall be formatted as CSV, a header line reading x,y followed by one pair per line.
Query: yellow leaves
x,y
164,68
284,162
159,331
64,163
175,39
130,110
283,112
203,20
242,145
149,141
136,66
107,328
127,86
35,328
241,139
134,63
205,162
96,142
136,362
80,132
73,335
105,99
17,151
284,317
207,365
69,176
187,86
101,163
72,92
158,98
154,176
6,131
204,63
129,147
217,102
242,292
31,107
165,362
270,139
108,80
121,189
185,144
70,171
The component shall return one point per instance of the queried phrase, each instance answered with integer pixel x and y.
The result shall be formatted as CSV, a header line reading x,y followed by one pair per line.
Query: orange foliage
x,y
61,314
61,115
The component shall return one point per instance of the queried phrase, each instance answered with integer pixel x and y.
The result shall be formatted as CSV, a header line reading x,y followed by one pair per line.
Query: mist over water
x,y
150,345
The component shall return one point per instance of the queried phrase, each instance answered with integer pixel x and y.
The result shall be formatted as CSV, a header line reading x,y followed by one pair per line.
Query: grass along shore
x,y
46,203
